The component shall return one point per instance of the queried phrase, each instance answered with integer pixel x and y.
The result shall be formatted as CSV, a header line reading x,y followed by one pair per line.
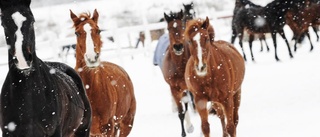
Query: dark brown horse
x,y
38,99
300,18
214,74
109,87
174,64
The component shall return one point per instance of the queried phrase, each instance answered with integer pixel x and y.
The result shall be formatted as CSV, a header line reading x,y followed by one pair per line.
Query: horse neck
x,y
80,62
214,55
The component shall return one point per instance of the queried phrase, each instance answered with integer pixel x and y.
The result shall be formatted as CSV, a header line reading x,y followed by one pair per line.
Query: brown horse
x,y
109,87
174,64
300,18
214,74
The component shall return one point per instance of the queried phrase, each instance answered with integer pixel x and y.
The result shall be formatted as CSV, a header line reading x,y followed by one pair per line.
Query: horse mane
x,y
82,17
197,24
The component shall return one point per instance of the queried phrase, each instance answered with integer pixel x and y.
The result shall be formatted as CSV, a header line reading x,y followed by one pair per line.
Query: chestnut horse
x,y
38,99
109,87
174,63
214,74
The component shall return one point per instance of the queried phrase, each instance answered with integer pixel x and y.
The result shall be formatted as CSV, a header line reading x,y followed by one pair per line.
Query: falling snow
x,y
52,71
270,91
11,126
259,21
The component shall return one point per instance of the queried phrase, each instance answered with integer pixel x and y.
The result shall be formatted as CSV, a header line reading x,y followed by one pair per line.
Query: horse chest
x,y
101,88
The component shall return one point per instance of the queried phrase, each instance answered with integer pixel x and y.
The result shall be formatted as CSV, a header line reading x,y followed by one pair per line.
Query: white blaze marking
x,y
175,25
18,19
197,39
90,54
200,65
89,43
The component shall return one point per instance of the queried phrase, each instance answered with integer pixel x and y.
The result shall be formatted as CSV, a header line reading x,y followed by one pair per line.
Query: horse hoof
x,y
190,129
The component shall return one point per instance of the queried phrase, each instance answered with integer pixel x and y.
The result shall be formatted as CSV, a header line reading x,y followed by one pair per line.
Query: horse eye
x,y
77,34
99,31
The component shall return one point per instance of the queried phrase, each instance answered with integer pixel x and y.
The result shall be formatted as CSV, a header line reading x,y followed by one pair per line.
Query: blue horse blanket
x,y
160,51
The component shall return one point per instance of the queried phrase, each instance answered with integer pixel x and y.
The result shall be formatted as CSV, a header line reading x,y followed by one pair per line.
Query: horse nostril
x,y
178,47
97,56
203,67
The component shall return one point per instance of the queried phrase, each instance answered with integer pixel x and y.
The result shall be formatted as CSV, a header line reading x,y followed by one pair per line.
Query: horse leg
x,y
127,123
236,100
285,39
137,44
316,32
261,49
234,35
109,128
191,102
240,43
201,105
264,39
220,113
307,33
251,37
176,93
274,38
228,105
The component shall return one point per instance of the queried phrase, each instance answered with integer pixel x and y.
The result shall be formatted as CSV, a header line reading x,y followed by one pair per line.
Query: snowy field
x,y
279,99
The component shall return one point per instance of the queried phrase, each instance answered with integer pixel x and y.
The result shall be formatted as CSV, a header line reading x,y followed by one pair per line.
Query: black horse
x,y
188,12
38,98
239,5
268,19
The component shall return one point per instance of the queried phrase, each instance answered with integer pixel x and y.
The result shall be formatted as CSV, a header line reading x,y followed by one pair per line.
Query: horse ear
x,y
95,16
166,17
74,18
206,23
180,15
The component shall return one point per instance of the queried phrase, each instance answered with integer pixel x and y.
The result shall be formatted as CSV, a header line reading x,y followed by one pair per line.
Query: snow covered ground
x,y
279,99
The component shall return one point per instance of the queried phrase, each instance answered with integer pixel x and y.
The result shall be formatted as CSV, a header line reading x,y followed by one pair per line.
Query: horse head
x,y
199,35
189,12
88,37
17,21
176,29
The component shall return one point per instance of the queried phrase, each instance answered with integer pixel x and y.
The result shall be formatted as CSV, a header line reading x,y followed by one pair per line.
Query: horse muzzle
x,y
201,70
178,49
92,61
